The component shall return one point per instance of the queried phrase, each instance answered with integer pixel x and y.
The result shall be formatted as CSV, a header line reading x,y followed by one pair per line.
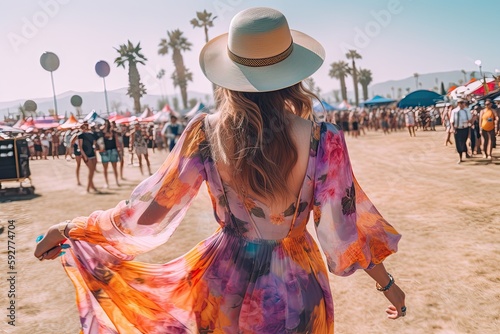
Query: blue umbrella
x,y
420,98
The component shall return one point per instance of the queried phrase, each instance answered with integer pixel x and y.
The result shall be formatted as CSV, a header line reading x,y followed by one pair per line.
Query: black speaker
x,y
14,159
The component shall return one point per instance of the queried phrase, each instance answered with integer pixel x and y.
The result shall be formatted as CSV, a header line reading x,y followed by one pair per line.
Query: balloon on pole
x,y
102,69
30,106
76,101
50,62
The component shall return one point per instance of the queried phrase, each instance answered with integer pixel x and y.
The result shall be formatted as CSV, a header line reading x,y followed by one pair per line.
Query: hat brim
x,y
306,58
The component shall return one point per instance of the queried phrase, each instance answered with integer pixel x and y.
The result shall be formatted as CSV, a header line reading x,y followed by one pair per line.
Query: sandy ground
x,y
448,262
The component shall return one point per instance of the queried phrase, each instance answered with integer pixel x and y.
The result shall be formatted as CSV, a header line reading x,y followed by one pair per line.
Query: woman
x,y
120,147
87,141
449,130
489,122
126,133
55,144
110,153
139,145
261,271
44,139
37,143
410,122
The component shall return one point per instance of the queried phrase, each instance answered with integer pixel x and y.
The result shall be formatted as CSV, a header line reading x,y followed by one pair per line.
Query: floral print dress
x,y
258,273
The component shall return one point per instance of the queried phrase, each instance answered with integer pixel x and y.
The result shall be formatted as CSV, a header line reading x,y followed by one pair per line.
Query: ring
x,y
40,257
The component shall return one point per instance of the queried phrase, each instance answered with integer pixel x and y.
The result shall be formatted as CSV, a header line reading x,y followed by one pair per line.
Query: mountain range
x,y
120,101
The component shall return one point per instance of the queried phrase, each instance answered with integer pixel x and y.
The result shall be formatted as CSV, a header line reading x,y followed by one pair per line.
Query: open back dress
x,y
258,273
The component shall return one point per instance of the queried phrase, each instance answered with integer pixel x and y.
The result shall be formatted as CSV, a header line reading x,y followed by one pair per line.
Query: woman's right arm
x,y
154,209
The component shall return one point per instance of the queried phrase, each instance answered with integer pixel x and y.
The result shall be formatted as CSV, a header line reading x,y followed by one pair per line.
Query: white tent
x,y
198,108
458,92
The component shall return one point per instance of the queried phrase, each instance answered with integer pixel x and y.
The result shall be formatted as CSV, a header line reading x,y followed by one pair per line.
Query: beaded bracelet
x,y
385,288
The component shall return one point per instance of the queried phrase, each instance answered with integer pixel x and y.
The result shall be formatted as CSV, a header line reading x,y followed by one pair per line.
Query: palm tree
x,y
416,75
22,111
353,54
177,43
400,92
131,55
159,76
465,75
336,95
340,70
204,20
365,78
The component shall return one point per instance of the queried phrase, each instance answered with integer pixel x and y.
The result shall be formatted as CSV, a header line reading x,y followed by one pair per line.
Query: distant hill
x,y
118,99
430,81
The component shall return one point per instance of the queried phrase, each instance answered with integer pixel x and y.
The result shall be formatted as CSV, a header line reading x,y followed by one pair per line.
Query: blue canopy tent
x,y
377,100
323,106
420,98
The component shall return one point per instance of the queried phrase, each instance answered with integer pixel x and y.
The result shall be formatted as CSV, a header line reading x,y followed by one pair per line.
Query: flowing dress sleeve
x,y
351,232
156,206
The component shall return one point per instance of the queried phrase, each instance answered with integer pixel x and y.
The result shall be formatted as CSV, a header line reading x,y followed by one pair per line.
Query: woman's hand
x,y
50,246
397,298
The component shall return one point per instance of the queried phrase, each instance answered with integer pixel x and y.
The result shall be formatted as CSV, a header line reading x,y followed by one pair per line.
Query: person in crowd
x,y
344,121
410,122
45,139
384,120
489,122
87,141
120,146
126,133
475,135
139,146
55,144
172,132
159,140
261,271
460,123
67,144
37,143
447,123
110,153
354,123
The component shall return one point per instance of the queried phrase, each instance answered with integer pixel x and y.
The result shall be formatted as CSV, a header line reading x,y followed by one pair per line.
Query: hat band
x,y
258,62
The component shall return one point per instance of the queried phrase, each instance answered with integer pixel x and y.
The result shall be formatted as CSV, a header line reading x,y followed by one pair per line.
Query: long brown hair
x,y
253,136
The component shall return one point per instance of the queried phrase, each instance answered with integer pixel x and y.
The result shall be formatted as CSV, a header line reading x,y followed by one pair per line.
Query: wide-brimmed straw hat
x,y
260,53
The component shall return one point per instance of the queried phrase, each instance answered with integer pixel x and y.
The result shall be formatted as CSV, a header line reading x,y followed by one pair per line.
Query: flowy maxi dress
x,y
258,273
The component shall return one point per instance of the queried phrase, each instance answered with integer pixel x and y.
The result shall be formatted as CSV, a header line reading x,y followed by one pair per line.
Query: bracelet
x,y
385,288
62,228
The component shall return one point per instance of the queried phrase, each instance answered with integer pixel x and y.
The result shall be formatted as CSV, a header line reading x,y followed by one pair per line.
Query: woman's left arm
x,y
387,283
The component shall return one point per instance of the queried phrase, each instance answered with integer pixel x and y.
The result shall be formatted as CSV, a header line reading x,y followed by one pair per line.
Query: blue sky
x,y
395,37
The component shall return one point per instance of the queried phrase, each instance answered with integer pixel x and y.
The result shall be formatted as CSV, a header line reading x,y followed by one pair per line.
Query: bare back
x,y
301,136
